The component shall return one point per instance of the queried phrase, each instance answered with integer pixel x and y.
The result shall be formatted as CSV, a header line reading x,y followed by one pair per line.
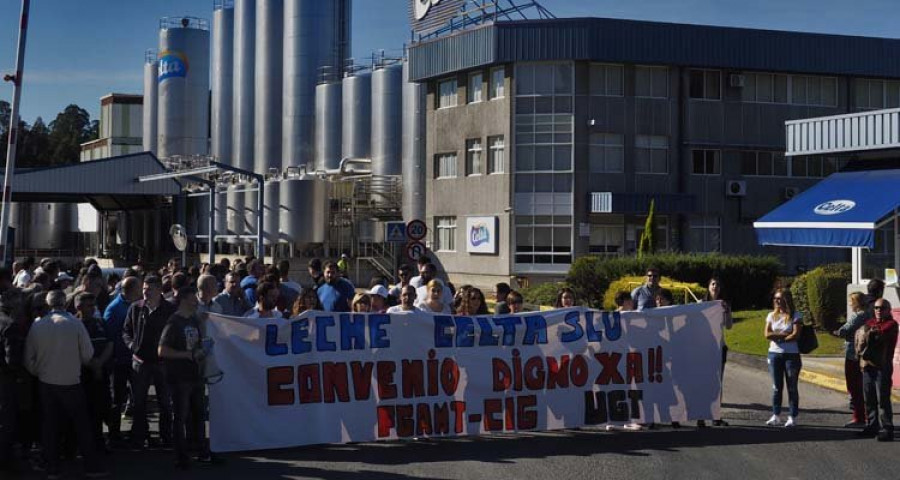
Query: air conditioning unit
x,y
790,192
735,188
736,80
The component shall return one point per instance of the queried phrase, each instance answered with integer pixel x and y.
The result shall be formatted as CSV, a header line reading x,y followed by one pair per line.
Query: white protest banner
x,y
336,378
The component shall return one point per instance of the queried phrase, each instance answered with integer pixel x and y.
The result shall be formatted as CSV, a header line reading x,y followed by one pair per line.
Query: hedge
x,y
747,280
631,282
820,295
543,294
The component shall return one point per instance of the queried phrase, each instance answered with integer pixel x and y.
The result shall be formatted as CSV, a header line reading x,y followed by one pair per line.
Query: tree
x,y
646,245
68,131
34,145
5,113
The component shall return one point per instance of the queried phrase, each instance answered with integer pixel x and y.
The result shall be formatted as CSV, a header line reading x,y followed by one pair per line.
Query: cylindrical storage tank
x,y
192,216
328,125
49,225
18,214
304,216
202,215
356,139
120,225
151,69
241,209
221,130
413,181
387,119
316,39
272,212
136,230
183,89
267,153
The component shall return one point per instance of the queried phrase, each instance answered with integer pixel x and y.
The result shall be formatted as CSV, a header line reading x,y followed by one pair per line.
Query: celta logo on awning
x,y
834,207
421,7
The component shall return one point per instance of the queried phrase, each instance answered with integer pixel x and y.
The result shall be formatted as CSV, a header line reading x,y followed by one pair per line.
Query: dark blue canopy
x,y
840,211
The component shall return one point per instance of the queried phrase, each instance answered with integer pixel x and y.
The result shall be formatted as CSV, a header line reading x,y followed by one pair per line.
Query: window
x,y
606,154
498,83
473,156
475,89
706,84
764,164
651,82
706,234
607,80
445,165
544,79
607,240
765,88
706,162
815,166
651,154
447,93
445,234
813,91
496,155
544,239
873,94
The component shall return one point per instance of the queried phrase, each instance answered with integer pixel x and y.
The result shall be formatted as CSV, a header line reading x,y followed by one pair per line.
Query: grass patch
x,y
746,336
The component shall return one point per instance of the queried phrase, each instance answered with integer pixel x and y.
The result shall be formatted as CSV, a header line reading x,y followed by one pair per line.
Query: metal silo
x,y
222,96
241,206
151,68
308,225
316,42
267,152
387,118
356,139
328,125
413,148
183,79
49,225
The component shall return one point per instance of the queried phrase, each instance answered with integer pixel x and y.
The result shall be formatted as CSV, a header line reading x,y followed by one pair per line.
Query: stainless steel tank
x,y
272,212
304,214
356,139
387,118
268,100
316,43
151,68
222,97
241,208
413,168
328,125
50,225
183,83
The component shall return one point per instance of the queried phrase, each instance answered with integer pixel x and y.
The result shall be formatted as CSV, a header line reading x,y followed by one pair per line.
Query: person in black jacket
x,y
11,347
142,330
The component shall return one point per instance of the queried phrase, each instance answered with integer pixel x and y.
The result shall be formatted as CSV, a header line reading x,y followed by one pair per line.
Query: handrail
x,y
670,286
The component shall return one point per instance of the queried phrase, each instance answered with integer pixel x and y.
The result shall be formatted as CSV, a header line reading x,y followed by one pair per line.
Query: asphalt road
x,y
820,448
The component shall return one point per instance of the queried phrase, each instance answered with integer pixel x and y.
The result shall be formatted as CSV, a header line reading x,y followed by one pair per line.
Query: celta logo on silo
x,y
421,7
172,65
834,207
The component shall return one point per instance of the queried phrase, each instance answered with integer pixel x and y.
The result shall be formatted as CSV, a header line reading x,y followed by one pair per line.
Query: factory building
x,y
547,139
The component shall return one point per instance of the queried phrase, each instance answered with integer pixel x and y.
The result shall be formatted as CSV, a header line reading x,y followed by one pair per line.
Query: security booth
x,y
856,208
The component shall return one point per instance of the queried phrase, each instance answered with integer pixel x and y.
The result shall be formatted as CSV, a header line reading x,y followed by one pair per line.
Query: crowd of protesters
x,y
81,348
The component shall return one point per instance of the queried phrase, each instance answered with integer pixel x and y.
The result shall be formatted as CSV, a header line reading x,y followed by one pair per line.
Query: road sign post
x,y
415,250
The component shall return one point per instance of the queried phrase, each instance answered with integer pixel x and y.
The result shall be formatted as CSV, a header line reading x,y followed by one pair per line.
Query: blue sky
x,y
79,50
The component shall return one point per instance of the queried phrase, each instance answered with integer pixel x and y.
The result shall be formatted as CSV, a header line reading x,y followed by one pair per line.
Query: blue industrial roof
x,y
654,43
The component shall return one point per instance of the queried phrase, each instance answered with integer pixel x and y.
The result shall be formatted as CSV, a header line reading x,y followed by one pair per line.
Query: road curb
x,y
824,380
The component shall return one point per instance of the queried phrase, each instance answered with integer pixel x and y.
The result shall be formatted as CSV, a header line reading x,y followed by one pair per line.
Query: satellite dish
x,y
179,237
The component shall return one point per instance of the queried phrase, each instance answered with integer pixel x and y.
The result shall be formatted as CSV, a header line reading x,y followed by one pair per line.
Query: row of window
x,y
448,89
446,165
788,89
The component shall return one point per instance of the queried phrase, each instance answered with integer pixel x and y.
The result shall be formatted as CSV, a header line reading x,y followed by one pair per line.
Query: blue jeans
x,y
785,366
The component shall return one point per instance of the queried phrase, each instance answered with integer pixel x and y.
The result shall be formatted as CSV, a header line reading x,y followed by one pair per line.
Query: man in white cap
x,y
379,294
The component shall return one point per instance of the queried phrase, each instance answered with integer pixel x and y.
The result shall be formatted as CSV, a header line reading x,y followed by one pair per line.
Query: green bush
x,y
542,294
820,294
631,282
747,280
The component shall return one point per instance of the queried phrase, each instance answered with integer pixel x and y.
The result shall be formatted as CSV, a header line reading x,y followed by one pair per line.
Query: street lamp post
x,y
16,79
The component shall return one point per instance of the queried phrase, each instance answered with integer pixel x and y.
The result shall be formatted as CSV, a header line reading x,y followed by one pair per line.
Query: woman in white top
x,y
783,327
434,302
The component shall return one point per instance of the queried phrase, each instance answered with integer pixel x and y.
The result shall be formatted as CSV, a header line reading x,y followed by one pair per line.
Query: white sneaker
x,y
791,422
775,420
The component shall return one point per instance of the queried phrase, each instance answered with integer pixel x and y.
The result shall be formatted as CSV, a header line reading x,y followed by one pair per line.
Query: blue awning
x,y
840,211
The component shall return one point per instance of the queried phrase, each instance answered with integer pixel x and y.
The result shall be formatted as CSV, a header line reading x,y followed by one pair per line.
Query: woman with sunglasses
x,y
783,325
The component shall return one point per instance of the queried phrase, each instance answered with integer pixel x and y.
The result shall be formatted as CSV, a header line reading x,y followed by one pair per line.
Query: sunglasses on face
x,y
878,307
652,275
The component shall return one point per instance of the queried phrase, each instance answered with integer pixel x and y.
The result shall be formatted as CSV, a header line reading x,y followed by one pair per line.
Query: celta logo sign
x,y
479,235
834,207
172,65
421,7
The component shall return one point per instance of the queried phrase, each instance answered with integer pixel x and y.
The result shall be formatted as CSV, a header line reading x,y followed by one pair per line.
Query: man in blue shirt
x,y
645,295
336,293
256,270
114,320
